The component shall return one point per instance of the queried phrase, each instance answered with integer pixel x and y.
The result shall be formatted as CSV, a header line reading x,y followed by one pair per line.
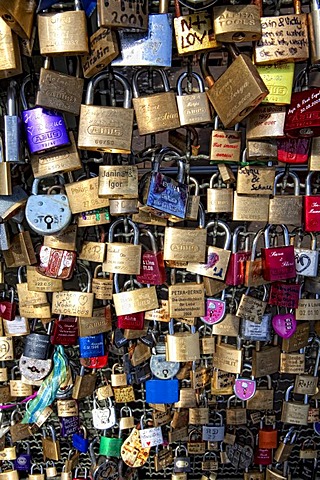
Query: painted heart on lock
x,y
303,262
284,325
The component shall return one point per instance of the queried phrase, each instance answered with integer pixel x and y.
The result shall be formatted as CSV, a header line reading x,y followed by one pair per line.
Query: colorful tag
x,y
151,437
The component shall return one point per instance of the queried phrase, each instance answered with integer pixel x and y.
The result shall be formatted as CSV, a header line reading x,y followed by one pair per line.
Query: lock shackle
x,y
178,450
265,292
93,83
290,436
36,183
308,183
212,179
21,271
34,466
219,415
23,97
233,397
292,175
125,408
13,371
12,102
193,75
97,270
255,243
300,234
224,226
195,433
89,283
132,224
131,283
160,71
194,182
201,216
152,239
181,171
208,78
235,237
285,235
13,415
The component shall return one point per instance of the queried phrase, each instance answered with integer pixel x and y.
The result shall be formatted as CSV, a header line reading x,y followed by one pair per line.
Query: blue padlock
x,y
92,346
23,461
69,425
80,441
162,391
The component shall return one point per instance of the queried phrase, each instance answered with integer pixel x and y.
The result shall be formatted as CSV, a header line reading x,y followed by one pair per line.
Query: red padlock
x,y
65,331
8,307
311,208
152,266
262,456
237,264
278,263
293,150
284,294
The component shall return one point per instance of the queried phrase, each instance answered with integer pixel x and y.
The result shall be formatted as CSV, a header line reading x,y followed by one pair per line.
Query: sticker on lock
x,y
215,311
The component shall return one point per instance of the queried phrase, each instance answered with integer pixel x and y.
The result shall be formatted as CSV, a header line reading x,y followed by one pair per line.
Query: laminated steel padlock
x,y
278,263
193,108
286,209
311,207
243,80
59,91
44,129
106,129
47,214
156,112
12,127
237,23
63,33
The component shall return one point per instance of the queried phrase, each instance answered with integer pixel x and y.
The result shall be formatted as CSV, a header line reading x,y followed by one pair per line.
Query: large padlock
x,y
157,112
162,391
63,33
231,96
193,108
45,129
106,129
278,263
47,214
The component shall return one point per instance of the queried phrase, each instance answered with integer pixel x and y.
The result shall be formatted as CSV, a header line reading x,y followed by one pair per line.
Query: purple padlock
x,y
45,129
284,324
215,311
69,425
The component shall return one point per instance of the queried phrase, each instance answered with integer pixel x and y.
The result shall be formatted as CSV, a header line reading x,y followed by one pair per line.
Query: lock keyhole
x,y
48,220
165,373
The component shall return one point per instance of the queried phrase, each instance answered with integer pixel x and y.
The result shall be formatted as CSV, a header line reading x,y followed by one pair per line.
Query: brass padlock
x,y
182,346
63,33
237,91
286,209
193,108
10,59
84,384
219,199
236,415
50,445
250,208
19,16
228,358
107,129
186,299
237,23
225,145
157,112
103,46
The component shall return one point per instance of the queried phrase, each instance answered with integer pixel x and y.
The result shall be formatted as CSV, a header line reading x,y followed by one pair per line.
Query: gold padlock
x,y
237,23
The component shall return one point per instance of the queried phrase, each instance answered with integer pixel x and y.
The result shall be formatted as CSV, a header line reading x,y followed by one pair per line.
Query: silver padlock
x,y
4,237
12,127
47,214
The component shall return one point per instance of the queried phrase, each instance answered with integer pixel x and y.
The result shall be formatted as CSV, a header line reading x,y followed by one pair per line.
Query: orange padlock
x,y
268,436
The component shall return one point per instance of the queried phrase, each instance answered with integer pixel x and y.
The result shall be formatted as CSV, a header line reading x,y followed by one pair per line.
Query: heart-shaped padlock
x,y
284,324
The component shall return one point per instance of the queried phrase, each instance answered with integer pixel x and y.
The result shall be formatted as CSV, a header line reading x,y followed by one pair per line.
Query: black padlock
x,y
37,345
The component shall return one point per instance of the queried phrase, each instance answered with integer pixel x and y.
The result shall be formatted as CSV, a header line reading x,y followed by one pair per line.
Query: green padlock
x,y
110,446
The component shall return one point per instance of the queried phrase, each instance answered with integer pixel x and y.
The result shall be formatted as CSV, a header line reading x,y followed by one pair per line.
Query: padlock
x,y
181,463
149,436
252,308
65,331
110,446
313,23
306,258
245,388
194,32
236,269
225,145
186,299
8,307
23,461
263,398
254,474
12,127
8,453
19,17
186,244
152,266
253,266
63,33
261,150
84,384
161,195
56,264
266,121
228,358
148,49
59,91
278,79
293,150
282,47
10,63
156,112
133,301
126,422
162,391
196,445
119,16
103,417
163,458
159,366
103,47
219,199
213,433
268,436
51,469
278,262
217,258
235,23
28,297
232,108
241,453
92,346
47,214
295,413
102,287
17,387
107,129
182,346
44,129
311,208
193,108
75,303
193,200
33,475
253,208
303,112
286,208
283,452
123,257
265,361
50,445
